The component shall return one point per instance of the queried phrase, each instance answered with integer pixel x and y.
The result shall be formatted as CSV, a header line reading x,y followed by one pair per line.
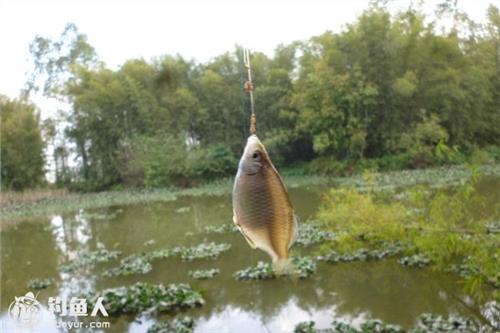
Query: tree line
x,y
391,90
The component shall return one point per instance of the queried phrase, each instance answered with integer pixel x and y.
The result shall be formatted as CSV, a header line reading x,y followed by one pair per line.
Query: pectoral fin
x,y
247,238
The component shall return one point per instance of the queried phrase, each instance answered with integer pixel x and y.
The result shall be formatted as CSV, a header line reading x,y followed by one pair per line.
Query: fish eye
x,y
256,155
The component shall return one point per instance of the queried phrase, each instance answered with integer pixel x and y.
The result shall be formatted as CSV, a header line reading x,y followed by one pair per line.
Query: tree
x,y
22,159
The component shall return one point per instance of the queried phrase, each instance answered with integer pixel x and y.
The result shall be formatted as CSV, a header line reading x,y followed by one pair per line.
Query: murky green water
x,y
352,292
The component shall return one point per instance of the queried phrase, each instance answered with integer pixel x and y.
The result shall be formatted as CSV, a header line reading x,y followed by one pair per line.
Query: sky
x,y
195,29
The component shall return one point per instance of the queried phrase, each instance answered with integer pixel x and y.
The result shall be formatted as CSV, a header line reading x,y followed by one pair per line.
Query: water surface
x,y
352,292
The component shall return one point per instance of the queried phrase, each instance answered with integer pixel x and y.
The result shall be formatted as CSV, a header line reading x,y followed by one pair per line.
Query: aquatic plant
x,y
430,323
263,271
416,260
426,323
388,250
143,297
304,267
177,325
88,259
202,251
40,283
133,264
221,228
444,224
310,233
384,181
370,326
140,263
204,274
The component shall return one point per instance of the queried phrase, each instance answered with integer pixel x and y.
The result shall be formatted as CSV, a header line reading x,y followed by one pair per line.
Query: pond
x,y
352,292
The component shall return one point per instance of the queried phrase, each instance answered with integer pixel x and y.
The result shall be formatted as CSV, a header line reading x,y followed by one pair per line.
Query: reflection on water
x,y
351,292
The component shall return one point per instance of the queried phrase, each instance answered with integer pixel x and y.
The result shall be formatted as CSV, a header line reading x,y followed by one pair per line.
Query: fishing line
x,y
248,86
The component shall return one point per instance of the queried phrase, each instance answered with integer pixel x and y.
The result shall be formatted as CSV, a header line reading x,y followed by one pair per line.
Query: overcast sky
x,y
120,30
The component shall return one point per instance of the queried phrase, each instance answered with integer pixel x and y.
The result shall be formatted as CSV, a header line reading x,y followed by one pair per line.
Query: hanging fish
x,y
262,210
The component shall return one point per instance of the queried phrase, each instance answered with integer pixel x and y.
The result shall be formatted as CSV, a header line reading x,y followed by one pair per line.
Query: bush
x,y
164,160
21,145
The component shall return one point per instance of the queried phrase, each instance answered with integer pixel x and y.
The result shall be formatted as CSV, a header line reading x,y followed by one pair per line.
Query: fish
x,y
262,210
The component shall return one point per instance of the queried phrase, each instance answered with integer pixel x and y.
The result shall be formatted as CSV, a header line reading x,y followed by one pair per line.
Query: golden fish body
x,y
262,210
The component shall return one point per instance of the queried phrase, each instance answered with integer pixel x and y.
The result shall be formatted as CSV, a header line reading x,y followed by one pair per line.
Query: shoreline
x,y
59,201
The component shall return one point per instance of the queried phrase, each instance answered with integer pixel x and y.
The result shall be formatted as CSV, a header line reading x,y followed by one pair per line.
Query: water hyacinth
x,y
426,323
144,297
430,323
204,274
139,263
416,260
177,325
363,254
262,271
202,251
304,267
134,264
220,229
39,284
89,259
311,233
370,326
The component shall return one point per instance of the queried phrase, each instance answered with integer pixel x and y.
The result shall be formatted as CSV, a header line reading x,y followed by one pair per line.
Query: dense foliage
x,y
389,84
446,228
21,145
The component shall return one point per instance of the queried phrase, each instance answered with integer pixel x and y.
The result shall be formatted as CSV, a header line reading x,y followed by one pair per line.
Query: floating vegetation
x,y
370,326
148,298
304,267
416,260
263,271
40,283
204,274
139,263
434,323
89,259
202,251
149,242
221,228
134,264
390,250
311,233
177,325
426,323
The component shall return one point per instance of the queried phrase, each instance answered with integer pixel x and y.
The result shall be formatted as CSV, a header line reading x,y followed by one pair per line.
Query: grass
x,y
16,207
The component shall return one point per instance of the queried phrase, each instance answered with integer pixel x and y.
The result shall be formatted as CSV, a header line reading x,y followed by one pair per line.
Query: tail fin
x,y
284,267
